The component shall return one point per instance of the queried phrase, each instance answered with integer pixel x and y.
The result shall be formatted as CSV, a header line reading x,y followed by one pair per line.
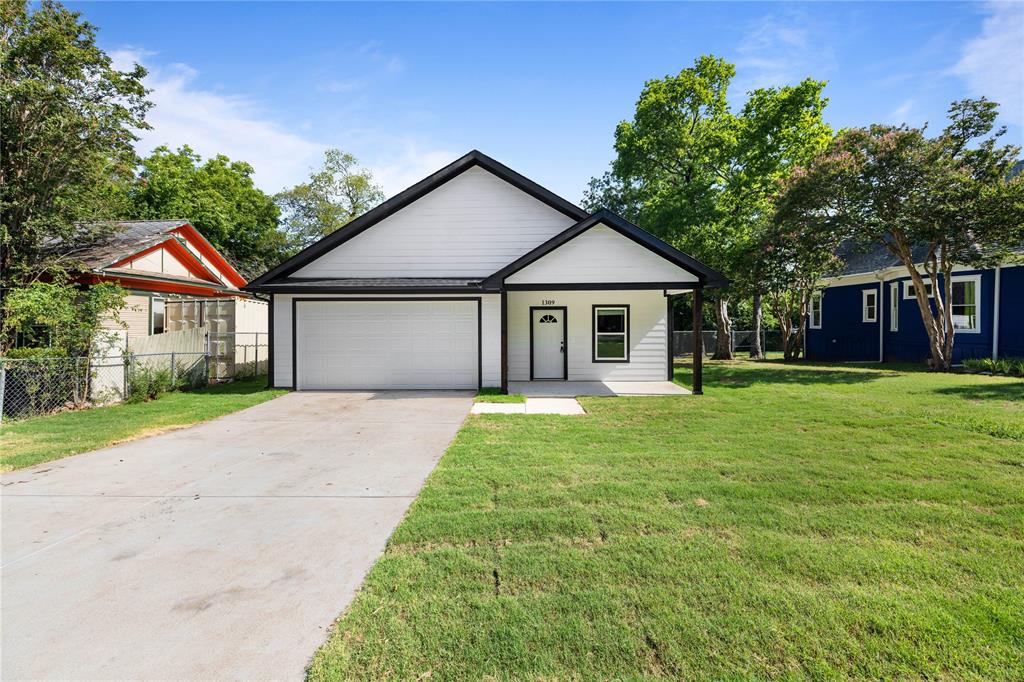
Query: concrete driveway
x,y
222,551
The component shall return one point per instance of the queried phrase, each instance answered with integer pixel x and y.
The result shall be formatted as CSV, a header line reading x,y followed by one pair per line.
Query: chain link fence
x,y
682,342
36,386
235,355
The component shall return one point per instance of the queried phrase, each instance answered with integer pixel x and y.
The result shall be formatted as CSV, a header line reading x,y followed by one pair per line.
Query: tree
x,y
71,317
218,198
67,124
336,194
701,176
934,203
794,257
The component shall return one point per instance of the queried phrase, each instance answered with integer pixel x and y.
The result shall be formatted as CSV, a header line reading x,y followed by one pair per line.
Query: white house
x,y
474,277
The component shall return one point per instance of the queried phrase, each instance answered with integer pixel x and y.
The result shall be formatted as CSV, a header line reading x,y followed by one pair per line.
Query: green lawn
x,y
42,439
795,522
494,395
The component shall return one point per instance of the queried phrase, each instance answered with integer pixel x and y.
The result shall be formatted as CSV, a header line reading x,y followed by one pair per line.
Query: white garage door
x,y
386,344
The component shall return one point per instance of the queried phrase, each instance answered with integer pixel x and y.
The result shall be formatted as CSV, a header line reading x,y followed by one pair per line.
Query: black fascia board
x,y
706,276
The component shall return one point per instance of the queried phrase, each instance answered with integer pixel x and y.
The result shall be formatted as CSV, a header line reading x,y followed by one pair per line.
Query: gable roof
x,y
128,239
707,276
402,199
862,259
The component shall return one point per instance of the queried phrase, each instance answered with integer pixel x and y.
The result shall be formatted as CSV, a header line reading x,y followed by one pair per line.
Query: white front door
x,y
548,342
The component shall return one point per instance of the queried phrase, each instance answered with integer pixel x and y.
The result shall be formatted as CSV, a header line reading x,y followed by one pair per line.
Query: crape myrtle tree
x,y
699,175
932,202
335,194
793,258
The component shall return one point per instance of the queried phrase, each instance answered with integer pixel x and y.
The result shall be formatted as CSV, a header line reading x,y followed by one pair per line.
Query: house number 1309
x,y
548,301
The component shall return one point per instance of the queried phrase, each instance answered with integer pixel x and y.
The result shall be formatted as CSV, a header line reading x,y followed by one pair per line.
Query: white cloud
x,y
215,123
899,114
407,164
780,51
992,64
235,125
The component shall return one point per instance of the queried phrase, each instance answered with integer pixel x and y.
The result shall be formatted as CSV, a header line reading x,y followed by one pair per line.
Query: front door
x,y
547,342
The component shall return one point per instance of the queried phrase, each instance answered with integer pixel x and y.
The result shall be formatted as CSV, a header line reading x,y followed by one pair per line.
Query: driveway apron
x,y
224,550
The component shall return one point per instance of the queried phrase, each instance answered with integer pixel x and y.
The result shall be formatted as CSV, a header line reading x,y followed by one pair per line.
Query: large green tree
x,y
218,198
701,175
335,194
932,202
67,125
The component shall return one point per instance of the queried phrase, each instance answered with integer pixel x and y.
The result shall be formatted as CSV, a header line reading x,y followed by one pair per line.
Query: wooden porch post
x,y
670,335
698,342
504,341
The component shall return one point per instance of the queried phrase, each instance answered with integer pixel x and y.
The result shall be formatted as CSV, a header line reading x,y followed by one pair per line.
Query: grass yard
x,y
494,395
796,521
42,439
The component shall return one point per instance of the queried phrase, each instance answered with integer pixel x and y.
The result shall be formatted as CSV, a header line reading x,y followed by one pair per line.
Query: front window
x,y
816,310
908,290
611,333
965,303
156,315
869,312
894,307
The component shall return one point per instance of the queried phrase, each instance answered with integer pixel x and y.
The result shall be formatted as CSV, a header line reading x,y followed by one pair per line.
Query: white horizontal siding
x,y
648,353
600,255
471,226
490,340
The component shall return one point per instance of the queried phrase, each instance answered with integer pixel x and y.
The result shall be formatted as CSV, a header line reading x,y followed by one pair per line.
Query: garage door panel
x,y
387,344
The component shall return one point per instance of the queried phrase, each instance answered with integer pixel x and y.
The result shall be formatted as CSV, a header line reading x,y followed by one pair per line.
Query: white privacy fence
x,y
122,367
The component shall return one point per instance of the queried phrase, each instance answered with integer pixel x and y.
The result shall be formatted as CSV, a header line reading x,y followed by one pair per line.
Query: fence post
x,y
3,383
174,374
206,358
126,362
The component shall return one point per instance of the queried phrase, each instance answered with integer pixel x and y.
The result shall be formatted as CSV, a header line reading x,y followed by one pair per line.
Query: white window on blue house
x,y
816,310
966,311
894,307
869,309
908,290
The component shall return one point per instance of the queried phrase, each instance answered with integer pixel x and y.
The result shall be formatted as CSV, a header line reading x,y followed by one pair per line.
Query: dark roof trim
x,y
333,289
604,286
706,276
408,196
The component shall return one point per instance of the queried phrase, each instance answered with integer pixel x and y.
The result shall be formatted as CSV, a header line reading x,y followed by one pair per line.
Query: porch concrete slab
x,y
572,389
566,406
498,408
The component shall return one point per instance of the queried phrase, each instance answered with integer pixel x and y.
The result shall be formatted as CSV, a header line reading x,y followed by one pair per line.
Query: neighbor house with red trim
x,y
174,277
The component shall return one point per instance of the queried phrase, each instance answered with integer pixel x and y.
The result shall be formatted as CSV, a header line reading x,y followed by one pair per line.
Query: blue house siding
x,y
1011,312
843,334
844,337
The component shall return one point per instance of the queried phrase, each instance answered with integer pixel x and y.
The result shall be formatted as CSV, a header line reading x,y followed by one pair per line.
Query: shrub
x,y
1011,366
148,383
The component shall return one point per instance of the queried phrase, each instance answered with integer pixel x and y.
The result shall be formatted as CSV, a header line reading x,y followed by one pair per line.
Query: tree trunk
x,y
723,325
756,352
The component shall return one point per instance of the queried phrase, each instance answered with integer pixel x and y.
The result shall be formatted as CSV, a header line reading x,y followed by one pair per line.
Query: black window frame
x,y
593,332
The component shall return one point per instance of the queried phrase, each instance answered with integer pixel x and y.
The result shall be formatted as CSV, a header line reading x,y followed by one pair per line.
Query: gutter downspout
x,y
995,314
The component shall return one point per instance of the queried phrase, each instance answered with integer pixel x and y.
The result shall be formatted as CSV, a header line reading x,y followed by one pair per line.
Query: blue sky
x,y
410,87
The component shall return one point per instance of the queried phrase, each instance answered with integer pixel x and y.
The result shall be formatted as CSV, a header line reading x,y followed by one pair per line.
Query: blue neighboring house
x,y
868,312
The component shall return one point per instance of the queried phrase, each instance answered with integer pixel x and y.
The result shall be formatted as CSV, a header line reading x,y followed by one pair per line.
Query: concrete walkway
x,y
222,551
563,406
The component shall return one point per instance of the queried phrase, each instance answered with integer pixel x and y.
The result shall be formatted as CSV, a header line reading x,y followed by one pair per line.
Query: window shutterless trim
x,y
865,294
820,297
624,333
976,278
909,284
894,306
